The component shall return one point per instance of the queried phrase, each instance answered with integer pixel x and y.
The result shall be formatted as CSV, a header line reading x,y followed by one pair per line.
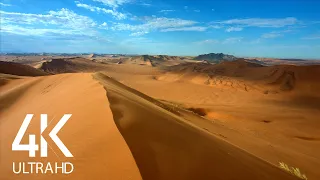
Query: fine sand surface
x,y
166,147
90,134
234,120
279,126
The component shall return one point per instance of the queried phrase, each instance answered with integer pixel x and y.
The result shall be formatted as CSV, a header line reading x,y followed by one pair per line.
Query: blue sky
x,y
269,28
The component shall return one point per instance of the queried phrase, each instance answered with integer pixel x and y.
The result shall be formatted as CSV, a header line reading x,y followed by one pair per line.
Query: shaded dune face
x,y
19,69
99,151
72,65
165,147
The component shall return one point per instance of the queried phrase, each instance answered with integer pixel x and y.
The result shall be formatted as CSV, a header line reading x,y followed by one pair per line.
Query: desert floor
x,y
133,121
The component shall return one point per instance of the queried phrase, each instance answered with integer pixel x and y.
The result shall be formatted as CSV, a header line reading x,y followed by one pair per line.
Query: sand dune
x,y
156,61
272,126
233,120
19,69
91,134
250,76
71,65
5,78
165,147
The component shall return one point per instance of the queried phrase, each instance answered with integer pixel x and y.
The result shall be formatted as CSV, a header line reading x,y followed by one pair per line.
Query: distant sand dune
x,y
19,69
249,76
71,65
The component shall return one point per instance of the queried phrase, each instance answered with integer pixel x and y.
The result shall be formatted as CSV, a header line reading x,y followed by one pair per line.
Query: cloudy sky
x,y
269,28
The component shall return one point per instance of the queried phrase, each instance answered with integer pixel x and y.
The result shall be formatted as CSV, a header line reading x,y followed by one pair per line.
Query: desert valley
x,y
153,117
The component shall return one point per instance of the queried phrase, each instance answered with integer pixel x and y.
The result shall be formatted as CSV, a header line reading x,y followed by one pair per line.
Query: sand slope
x,y
71,65
91,135
248,76
275,126
165,147
19,69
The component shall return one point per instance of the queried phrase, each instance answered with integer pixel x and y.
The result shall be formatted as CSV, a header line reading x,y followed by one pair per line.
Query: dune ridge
x,y
90,134
248,76
19,69
71,65
233,120
165,147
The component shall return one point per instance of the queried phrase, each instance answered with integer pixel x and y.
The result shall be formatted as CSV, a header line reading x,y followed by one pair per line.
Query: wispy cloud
x,y
3,4
232,40
215,26
260,22
63,18
312,37
230,29
146,4
113,12
63,21
140,33
255,41
197,10
192,28
103,26
275,34
167,10
159,24
207,41
113,3
271,35
31,31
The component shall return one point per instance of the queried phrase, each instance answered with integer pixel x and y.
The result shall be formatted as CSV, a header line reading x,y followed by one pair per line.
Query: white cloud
x,y
113,12
3,4
166,10
61,22
64,18
313,37
255,41
153,23
191,28
197,10
140,33
103,26
31,31
215,26
232,40
207,41
146,4
271,35
260,22
275,34
113,3
230,29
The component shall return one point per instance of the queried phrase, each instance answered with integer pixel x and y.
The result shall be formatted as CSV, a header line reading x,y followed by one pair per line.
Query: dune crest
x,y
90,134
165,147
71,65
19,69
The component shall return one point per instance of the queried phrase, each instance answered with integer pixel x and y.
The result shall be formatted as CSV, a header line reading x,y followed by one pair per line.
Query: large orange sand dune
x,y
90,134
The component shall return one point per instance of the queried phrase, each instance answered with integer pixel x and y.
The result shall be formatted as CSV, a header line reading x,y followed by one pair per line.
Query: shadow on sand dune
x,y
165,147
